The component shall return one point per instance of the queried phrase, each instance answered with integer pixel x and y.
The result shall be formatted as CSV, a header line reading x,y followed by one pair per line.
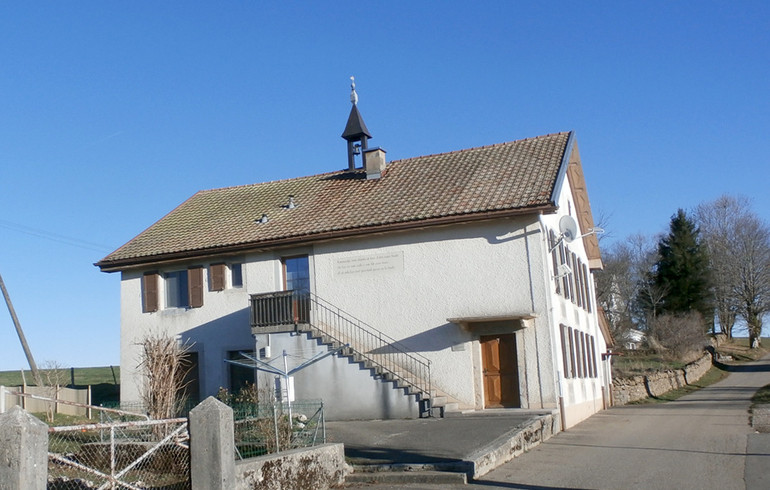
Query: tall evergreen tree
x,y
682,271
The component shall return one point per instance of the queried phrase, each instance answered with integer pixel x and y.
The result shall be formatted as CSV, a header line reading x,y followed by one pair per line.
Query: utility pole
x,y
19,331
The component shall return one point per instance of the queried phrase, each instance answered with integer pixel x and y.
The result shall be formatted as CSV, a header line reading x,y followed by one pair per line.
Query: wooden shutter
x,y
555,260
572,372
217,277
589,297
150,292
575,277
565,278
565,351
578,354
195,286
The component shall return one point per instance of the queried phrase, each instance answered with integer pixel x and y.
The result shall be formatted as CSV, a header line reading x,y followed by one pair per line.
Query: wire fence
x,y
140,454
127,450
266,428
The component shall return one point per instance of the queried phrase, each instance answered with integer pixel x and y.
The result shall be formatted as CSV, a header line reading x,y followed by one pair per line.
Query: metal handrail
x,y
369,343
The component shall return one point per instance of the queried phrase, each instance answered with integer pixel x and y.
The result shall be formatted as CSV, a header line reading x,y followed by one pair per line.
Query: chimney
x,y
374,162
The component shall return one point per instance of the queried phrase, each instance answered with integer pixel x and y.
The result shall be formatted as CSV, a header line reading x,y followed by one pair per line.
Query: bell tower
x,y
356,133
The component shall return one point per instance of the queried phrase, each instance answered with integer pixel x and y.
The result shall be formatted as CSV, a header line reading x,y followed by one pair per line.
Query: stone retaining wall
x,y
317,467
635,388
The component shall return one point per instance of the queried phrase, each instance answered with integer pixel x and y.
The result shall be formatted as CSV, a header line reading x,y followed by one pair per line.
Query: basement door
x,y
501,372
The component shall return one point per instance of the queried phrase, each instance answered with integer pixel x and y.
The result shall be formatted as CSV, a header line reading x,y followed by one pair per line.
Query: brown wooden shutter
x,y
577,278
150,292
565,351
555,259
195,286
572,372
217,277
589,297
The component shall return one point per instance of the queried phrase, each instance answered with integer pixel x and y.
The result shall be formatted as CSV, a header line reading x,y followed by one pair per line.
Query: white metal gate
x,y
134,455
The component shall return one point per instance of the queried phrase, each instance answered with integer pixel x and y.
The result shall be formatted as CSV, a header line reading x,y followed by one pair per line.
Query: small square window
x,y
236,275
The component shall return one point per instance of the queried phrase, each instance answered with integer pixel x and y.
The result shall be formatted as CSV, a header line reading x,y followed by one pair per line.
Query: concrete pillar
x,y
23,451
212,446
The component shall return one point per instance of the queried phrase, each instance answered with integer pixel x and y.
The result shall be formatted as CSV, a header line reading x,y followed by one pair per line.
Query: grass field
x,y
635,363
104,381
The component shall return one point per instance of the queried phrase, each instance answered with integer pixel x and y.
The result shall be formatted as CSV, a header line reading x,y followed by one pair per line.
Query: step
x,y
408,477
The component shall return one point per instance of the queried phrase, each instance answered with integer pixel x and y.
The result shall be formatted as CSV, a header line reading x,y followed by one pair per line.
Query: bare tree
x,y
752,241
54,377
739,246
624,283
164,368
718,221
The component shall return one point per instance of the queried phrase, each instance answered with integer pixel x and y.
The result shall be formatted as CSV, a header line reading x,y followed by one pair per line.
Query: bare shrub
x,y
54,377
164,368
680,336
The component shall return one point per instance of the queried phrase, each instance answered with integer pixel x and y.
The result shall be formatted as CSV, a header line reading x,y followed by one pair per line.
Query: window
x,y
184,289
218,276
296,273
236,275
176,290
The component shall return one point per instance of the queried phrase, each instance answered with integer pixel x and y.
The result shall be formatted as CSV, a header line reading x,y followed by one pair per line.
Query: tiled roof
x,y
501,179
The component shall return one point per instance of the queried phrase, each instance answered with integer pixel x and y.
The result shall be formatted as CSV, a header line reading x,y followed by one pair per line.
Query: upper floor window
x,y
236,275
296,273
177,295
218,275
183,289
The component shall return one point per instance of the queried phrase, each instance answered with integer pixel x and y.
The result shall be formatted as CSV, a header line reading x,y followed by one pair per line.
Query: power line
x,y
54,237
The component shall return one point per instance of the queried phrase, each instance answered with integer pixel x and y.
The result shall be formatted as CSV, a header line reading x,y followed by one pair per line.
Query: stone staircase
x,y
387,358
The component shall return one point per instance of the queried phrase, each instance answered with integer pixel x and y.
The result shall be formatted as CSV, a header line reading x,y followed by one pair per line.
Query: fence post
x,y
23,451
212,446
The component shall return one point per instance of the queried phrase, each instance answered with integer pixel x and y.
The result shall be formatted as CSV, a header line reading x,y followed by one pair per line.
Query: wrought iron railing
x,y
365,343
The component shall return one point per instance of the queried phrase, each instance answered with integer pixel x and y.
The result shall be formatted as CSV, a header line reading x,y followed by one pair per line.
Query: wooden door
x,y
501,373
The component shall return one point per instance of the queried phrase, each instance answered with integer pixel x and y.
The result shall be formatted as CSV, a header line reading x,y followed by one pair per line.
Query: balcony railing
x,y
280,308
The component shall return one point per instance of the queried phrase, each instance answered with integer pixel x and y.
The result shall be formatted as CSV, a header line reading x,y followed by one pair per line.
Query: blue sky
x,y
111,114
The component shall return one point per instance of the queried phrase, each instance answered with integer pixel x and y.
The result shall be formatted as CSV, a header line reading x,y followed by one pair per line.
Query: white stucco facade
x,y
437,290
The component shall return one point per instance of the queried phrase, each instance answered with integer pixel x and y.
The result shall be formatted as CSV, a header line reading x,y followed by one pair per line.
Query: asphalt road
x,y
701,441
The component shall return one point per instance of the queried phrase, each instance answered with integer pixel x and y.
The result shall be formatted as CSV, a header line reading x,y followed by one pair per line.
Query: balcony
x,y
280,311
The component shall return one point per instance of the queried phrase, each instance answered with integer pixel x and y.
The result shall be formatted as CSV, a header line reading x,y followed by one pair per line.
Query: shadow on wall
x,y
225,330
209,345
436,339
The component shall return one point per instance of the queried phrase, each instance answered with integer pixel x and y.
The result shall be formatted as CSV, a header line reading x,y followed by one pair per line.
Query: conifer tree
x,y
682,270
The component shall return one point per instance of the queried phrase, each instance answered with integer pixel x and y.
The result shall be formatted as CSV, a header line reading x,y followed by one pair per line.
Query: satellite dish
x,y
568,228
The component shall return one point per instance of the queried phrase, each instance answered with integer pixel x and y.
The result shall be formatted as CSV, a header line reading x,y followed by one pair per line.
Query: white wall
x,y
581,396
489,269
408,285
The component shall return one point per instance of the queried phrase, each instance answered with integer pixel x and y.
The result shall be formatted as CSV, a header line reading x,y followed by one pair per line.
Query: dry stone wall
x,y
635,388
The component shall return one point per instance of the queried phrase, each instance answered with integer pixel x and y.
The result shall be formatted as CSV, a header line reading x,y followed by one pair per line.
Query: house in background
x,y
441,282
